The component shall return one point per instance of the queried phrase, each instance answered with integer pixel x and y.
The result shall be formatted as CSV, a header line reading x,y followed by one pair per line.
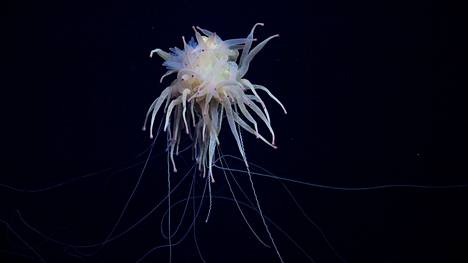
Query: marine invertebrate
x,y
210,85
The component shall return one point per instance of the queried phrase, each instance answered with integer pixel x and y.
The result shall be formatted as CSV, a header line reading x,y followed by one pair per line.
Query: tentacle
x,y
250,86
240,102
214,112
204,31
192,104
163,54
259,112
244,67
184,104
247,46
237,43
198,36
230,118
164,96
169,111
211,149
272,96
169,72
175,140
246,127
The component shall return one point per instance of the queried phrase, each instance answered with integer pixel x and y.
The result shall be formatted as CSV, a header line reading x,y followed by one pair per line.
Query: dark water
x,y
374,97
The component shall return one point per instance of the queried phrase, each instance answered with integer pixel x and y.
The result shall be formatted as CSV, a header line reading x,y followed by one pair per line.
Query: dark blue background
x,y
374,96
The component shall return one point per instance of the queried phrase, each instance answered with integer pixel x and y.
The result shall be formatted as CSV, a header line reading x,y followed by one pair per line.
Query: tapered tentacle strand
x,y
246,63
271,96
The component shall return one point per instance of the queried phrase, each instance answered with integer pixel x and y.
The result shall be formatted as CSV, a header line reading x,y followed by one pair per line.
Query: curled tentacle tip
x,y
174,170
143,128
151,136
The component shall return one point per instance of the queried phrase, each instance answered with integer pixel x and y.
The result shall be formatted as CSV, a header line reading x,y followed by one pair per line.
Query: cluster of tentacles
x,y
210,85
